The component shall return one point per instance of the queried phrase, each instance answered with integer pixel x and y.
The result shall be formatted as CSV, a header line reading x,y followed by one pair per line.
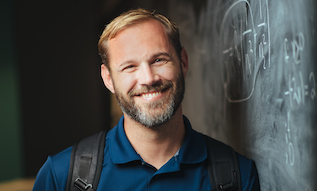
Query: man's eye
x,y
159,60
128,67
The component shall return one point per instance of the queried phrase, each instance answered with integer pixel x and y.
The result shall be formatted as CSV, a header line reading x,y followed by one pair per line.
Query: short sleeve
x,y
46,179
53,174
249,174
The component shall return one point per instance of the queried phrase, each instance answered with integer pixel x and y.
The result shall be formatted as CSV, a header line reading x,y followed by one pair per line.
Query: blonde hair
x,y
131,18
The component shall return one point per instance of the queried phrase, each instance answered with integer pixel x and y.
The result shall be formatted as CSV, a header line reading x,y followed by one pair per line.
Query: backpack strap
x,y
87,158
223,166
86,163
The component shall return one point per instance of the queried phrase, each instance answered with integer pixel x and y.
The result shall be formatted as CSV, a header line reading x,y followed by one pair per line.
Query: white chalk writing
x,y
250,49
290,154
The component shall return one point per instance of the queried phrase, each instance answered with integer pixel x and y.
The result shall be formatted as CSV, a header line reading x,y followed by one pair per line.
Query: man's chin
x,y
152,122
154,111
154,117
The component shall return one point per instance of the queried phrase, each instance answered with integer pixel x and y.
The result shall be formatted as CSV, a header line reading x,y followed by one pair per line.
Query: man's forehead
x,y
136,36
147,22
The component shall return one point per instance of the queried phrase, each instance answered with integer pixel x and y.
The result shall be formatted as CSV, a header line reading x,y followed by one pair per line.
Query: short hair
x,y
131,18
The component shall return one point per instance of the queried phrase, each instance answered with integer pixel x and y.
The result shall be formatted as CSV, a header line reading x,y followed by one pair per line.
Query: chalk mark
x,y
254,45
246,32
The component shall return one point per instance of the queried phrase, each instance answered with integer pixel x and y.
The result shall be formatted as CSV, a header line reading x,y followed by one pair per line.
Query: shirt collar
x,y
193,149
121,150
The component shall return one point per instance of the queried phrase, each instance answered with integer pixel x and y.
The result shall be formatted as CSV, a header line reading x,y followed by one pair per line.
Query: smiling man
x,y
145,73
147,77
153,147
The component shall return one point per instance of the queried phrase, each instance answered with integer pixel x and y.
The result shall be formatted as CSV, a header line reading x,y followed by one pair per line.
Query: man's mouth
x,y
151,95
150,92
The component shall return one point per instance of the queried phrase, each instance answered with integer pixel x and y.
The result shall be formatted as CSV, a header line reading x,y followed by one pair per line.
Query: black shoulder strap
x,y
223,167
87,158
86,163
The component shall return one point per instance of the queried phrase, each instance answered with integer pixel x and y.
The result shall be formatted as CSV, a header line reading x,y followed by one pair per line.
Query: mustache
x,y
147,89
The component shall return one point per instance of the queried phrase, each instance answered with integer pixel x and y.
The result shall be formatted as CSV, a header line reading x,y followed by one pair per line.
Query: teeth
x,y
150,95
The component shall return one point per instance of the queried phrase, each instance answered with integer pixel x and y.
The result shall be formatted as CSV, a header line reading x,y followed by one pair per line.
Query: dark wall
x,y
63,97
10,122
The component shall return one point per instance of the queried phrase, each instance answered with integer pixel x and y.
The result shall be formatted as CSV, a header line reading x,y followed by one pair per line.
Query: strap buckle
x,y
81,184
228,186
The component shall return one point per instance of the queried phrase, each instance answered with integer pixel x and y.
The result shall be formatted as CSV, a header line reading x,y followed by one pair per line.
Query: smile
x,y
151,95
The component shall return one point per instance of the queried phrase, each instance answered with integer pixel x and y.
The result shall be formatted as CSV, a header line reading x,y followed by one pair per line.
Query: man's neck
x,y
159,144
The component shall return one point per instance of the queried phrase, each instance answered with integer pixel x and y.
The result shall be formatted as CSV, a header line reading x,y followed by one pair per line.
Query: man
x,y
153,147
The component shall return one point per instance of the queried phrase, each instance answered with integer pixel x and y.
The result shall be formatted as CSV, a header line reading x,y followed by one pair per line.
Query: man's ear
x,y
184,61
106,77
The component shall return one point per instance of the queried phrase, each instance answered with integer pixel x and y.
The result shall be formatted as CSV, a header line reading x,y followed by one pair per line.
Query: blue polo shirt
x,y
124,169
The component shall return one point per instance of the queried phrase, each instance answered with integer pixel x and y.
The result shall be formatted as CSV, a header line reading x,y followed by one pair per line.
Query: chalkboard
x,y
252,76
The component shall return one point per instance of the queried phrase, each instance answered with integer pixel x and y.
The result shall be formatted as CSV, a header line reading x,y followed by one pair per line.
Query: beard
x,y
158,112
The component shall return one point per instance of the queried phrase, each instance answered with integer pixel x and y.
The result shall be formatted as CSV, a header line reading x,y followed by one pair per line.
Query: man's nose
x,y
147,75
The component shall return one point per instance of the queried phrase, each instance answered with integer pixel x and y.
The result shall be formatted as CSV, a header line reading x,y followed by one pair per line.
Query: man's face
x,y
147,77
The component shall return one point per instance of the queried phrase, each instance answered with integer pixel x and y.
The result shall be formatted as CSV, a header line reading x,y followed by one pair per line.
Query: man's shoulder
x,y
59,162
53,174
249,173
244,162
247,167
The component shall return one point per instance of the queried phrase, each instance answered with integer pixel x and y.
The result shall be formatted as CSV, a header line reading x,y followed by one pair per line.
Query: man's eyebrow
x,y
161,54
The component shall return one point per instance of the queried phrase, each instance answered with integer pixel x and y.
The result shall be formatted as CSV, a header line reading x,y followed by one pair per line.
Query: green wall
x,y
11,164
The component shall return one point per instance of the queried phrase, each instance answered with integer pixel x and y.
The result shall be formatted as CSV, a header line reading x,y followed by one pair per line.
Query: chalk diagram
x,y
245,47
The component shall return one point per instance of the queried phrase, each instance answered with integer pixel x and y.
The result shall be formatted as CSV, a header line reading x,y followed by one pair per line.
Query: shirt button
x,y
143,163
